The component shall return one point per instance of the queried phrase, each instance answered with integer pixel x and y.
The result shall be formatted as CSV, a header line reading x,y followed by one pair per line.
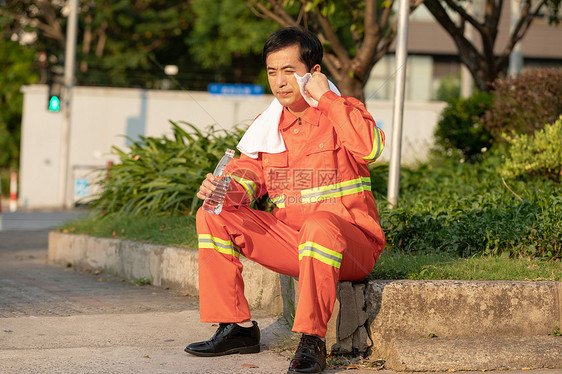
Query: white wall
x,y
101,116
419,79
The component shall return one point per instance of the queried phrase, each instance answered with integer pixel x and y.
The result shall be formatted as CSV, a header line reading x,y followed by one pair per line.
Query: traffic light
x,y
55,96
55,81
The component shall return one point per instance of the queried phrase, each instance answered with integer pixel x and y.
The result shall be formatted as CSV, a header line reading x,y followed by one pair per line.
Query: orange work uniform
x,y
325,227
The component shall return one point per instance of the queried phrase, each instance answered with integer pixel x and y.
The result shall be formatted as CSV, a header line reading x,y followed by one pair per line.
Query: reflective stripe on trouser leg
x,y
256,235
221,288
331,249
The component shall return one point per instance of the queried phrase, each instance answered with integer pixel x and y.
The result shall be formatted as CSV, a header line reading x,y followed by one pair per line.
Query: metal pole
x,y
516,56
398,107
69,62
1,225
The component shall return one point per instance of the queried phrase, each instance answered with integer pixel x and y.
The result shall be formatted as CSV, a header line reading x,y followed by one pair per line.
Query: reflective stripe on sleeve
x,y
223,246
320,253
248,185
279,201
317,194
378,146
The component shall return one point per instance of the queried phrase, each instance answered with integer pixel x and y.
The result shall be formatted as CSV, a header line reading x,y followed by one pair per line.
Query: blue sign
x,y
235,89
81,187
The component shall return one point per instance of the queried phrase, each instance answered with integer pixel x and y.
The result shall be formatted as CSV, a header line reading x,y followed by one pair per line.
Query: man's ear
x,y
316,68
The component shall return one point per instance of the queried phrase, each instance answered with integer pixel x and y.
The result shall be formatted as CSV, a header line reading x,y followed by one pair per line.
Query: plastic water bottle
x,y
213,203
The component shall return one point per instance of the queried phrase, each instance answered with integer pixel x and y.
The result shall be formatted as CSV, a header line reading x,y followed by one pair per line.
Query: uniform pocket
x,y
320,145
320,153
276,172
275,159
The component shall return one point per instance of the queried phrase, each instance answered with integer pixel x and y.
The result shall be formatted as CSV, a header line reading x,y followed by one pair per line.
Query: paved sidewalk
x,y
54,319
57,320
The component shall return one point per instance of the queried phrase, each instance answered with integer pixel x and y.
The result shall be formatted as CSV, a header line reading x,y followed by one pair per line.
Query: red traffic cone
x,y
13,191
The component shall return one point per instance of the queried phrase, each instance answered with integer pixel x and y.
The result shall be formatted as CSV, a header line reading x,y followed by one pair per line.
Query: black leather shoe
x,y
229,338
310,356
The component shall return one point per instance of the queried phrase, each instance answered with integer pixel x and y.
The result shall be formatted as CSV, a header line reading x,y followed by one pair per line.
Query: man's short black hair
x,y
311,51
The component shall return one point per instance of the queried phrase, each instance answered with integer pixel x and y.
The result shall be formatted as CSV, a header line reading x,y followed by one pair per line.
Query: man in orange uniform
x,y
325,227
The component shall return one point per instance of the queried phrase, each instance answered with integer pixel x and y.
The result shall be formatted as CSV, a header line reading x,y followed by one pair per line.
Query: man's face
x,y
281,66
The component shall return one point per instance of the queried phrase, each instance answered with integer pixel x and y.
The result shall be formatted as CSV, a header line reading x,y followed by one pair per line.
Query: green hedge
x,y
460,128
525,103
467,209
539,154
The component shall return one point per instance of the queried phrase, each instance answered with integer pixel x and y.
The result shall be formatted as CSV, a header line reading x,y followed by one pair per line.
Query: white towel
x,y
264,135
302,81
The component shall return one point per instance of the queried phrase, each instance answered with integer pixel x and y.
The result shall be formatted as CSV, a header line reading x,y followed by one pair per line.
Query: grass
x,y
179,231
427,266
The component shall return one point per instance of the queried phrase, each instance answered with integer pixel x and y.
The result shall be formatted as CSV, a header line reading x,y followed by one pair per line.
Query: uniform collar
x,y
311,116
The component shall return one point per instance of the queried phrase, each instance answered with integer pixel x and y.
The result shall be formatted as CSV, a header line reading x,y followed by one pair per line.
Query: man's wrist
x,y
326,100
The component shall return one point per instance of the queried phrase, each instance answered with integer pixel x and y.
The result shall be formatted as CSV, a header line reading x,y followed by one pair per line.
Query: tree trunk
x,y
350,86
483,64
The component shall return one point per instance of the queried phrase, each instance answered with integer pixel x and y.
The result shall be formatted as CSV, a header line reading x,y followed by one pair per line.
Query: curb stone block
x,y
360,338
481,314
351,334
408,308
181,271
97,259
165,266
475,354
349,318
332,344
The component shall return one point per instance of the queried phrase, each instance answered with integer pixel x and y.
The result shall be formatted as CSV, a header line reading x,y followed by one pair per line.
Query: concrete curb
x,y
164,266
477,325
476,353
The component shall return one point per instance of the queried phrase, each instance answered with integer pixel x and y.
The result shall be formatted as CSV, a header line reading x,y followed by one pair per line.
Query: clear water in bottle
x,y
213,203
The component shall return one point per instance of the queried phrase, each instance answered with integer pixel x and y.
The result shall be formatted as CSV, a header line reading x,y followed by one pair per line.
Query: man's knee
x,y
205,221
201,218
199,214
324,228
319,220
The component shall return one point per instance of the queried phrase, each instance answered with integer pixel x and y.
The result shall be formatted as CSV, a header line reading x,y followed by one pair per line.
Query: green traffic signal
x,y
54,104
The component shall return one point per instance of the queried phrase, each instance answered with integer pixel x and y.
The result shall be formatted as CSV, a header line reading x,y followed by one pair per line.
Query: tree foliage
x,y
228,38
478,54
120,38
115,37
224,30
355,33
15,64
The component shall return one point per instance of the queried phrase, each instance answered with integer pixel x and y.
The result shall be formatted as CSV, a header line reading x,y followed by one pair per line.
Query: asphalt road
x,y
36,220
67,320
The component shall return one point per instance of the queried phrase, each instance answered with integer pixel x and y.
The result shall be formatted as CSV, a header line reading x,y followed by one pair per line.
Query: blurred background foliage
x,y
127,43
456,201
525,103
16,65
